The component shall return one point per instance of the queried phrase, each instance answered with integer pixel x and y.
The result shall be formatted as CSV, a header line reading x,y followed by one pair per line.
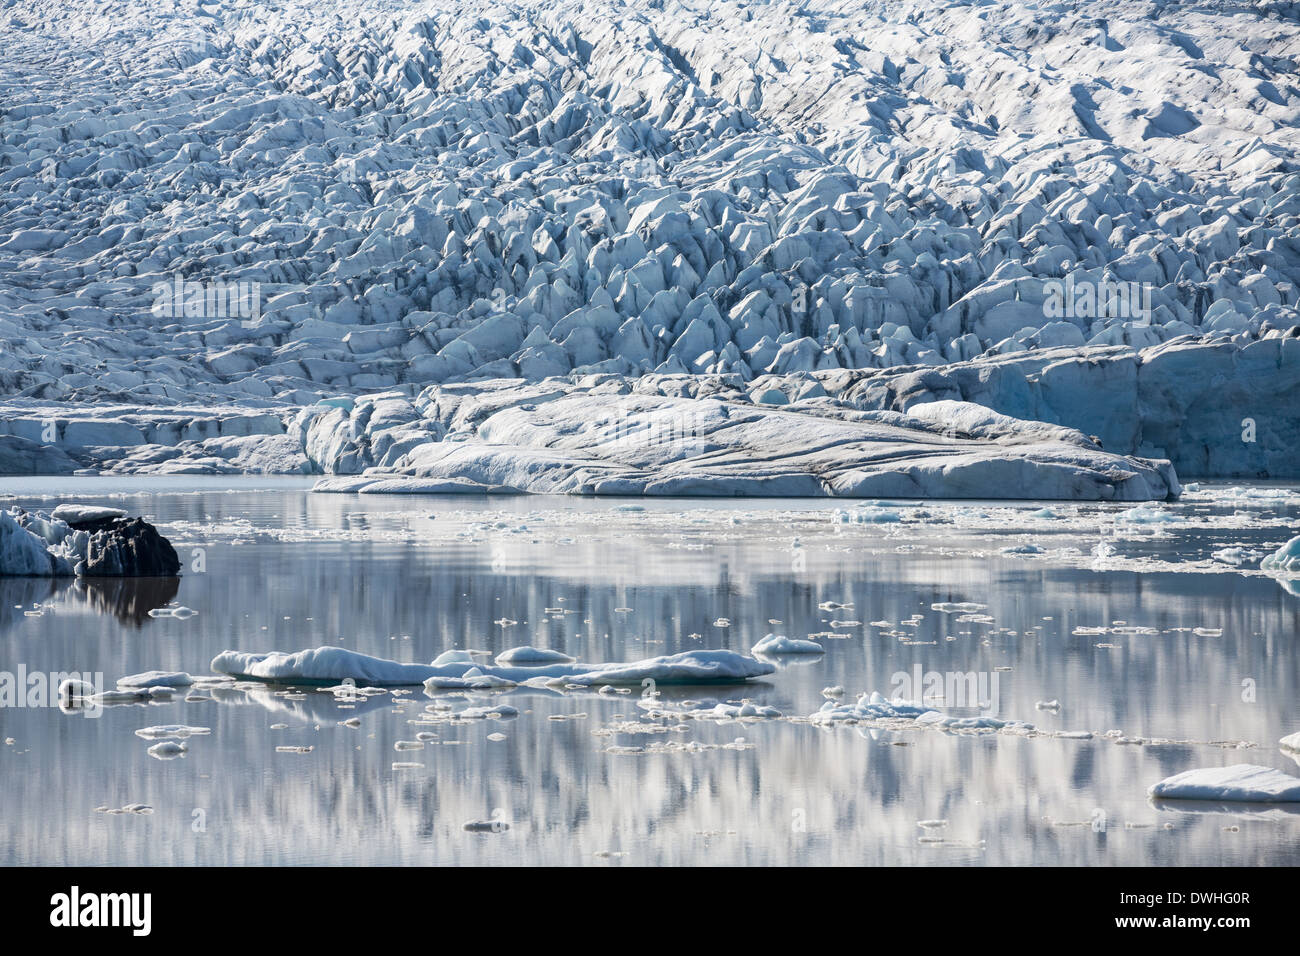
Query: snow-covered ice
x,y
335,663
1240,782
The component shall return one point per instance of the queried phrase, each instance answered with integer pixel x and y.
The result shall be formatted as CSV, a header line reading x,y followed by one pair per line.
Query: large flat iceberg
x,y
1241,782
328,665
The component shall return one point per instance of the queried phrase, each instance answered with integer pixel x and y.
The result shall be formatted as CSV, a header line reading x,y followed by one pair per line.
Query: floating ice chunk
x,y
1240,782
874,515
498,711
1148,514
1290,742
869,707
745,710
168,750
180,612
1023,549
958,607
156,679
780,644
1234,556
1285,558
454,657
532,655
171,732
77,514
486,826
409,745
983,722
330,664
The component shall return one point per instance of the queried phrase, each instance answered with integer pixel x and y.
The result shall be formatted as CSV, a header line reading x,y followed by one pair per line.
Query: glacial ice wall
x,y
1080,213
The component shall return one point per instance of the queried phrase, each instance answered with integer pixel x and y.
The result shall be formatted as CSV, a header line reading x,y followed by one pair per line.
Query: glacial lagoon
x,y
1121,642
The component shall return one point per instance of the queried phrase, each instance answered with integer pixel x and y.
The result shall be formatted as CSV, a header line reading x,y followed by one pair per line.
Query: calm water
x,y
271,567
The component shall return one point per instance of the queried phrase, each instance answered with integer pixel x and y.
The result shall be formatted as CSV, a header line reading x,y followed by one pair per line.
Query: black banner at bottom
x,y
155,905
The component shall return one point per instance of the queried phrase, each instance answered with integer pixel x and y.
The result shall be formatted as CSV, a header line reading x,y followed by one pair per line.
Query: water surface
x,y
270,566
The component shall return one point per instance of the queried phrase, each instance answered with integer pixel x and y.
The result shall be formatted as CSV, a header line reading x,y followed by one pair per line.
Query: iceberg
x,y
328,665
1241,782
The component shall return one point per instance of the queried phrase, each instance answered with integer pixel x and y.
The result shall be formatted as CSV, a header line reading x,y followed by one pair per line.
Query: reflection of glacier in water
x,y
1168,658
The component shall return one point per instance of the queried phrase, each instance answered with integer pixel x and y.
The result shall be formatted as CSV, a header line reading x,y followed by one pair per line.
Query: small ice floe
x,y
1290,742
407,765
532,655
293,750
931,824
168,750
353,722
983,722
486,826
497,711
872,514
505,622
836,691
1047,514
142,809
868,707
1245,783
1052,705
1148,514
409,745
171,732
1023,549
958,607
494,737
180,611
1285,558
1235,556
722,622
834,606
745,710
780,644
1208,631
84,514
156,679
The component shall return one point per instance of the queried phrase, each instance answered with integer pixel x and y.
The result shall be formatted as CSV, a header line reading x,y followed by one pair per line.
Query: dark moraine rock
x,y
127,547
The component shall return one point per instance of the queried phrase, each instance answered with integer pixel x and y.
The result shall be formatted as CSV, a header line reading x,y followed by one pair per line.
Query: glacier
x,y
670,247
